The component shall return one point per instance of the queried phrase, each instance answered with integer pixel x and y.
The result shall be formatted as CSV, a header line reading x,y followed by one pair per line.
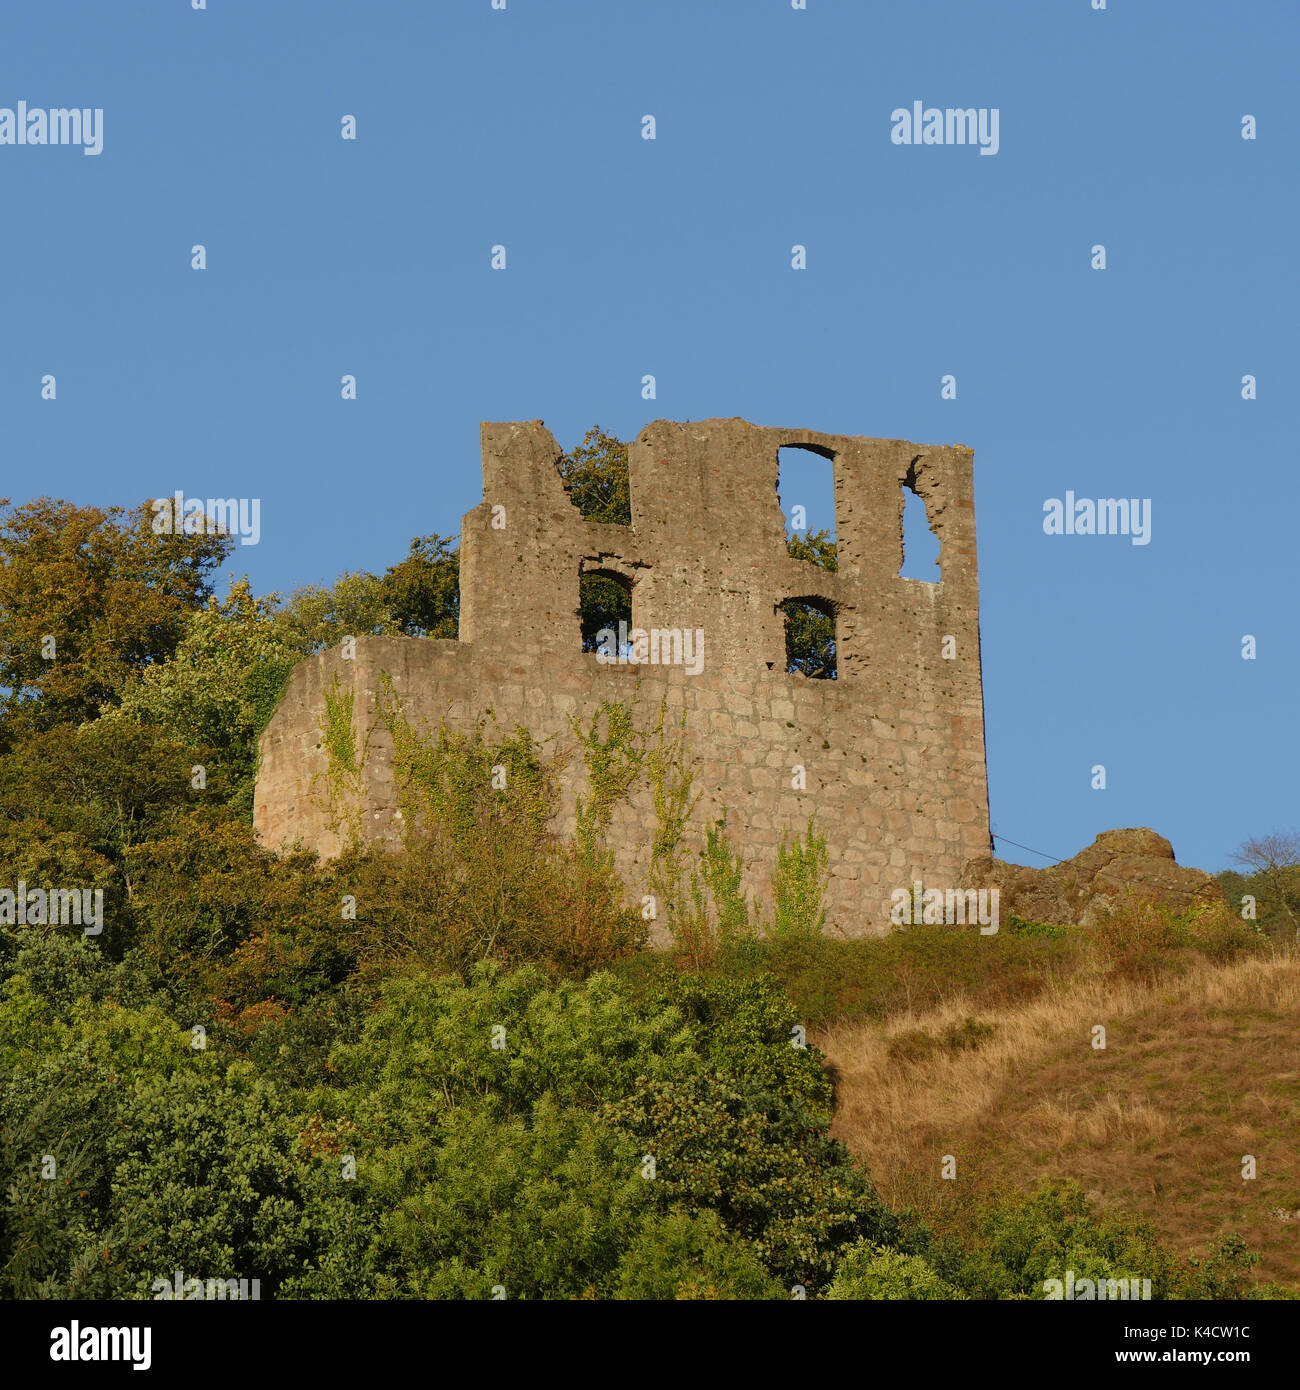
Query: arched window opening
x,y
604,601
810,637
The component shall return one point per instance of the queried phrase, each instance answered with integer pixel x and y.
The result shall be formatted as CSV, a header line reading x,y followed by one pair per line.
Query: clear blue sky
x,y
672,257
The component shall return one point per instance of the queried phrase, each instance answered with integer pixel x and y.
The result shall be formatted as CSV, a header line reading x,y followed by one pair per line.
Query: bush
x,y
678,1256
444,910
701,1078
916,967
1137,938
126,1152
1017,1246
869,1271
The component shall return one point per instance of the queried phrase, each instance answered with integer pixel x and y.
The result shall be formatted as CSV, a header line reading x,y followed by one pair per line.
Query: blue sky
x,y
625,256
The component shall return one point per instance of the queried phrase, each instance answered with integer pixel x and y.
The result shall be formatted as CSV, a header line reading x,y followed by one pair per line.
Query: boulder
x,y
1082,889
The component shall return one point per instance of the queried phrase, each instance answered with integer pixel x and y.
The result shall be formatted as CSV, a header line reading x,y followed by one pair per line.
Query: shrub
x,y
1136,937
870,1271
1017,1246
441,909
679,1256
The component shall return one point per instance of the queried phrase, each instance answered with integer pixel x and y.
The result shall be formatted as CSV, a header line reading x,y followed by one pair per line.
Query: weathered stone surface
x,y
705,550
1083,889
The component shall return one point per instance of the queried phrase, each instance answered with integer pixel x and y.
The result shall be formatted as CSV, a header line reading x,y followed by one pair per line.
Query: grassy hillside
x,y
1199,1069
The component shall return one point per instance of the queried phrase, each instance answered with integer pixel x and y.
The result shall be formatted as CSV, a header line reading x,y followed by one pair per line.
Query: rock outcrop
x,y
1082,889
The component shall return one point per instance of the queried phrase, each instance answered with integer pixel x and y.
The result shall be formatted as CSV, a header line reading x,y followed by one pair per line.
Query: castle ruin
x,y
888,757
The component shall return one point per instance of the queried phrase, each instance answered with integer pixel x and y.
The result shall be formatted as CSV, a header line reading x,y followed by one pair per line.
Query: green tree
x,y
423,591
222,683
1272,865
869,1271
89,597
809,630
595,475
315,617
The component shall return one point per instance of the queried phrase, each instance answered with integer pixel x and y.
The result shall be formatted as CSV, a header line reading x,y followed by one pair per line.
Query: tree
x,y
224,680
423,591
595,475
316,618
88,598
1274,860
809,629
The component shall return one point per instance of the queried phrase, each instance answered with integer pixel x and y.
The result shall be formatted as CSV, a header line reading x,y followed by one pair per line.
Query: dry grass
x,y
1197,1071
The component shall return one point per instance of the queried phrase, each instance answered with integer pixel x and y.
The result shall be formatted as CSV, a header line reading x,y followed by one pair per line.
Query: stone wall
x,y
892,750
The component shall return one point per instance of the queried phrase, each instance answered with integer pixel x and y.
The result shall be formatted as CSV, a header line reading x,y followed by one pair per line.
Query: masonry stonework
x,y
892,749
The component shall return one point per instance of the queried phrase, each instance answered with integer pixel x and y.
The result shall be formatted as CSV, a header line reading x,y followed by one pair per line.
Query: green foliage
x,y
422,593
809,631
745,1136
482,878
224,920
316,618
817,548
514,899
1271,878
113,597
799,881
1023,927
916,1045
1277,899
678,1256
456,783
344,757
219,689
595,475
615,760
523,1164
162,1158
1136,937
233,659
603,602
717,887
870,1271
1020,1245
715,1148
672,785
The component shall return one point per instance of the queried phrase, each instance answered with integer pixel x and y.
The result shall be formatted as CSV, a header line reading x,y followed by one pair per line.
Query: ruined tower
x,y
888,757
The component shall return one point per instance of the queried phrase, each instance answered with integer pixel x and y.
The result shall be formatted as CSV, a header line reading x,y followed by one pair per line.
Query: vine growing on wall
x,y
799,880
345,760
447,781
614,751
455,782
